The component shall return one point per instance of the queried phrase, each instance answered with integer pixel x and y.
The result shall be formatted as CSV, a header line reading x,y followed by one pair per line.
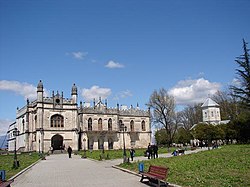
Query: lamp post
x,y
16,162
39,141
84,148
123,129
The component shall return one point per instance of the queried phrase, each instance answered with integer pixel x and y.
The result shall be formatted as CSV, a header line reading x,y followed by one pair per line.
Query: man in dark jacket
x,y
69,151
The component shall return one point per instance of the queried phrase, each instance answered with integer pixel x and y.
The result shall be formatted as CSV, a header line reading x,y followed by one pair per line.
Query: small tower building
x,y
211,111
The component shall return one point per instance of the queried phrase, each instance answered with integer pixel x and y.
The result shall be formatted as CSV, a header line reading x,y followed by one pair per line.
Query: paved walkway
x,y
59,171
165,155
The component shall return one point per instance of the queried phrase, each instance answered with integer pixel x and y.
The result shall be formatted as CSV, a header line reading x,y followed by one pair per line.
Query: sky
x,y
118,50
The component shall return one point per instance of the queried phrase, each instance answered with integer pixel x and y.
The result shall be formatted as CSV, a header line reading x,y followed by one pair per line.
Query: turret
x,y
210,111
74,94
40,91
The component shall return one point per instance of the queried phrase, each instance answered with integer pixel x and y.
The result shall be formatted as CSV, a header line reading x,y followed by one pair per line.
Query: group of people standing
x,y
152,151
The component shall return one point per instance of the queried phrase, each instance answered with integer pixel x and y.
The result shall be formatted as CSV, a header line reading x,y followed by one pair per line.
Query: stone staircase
x,y
59,152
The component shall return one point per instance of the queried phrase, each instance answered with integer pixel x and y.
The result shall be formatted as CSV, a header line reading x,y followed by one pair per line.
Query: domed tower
x,y
40,91
74,94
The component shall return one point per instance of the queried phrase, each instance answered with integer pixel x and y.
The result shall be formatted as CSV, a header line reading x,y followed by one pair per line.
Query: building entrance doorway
x,y
57,142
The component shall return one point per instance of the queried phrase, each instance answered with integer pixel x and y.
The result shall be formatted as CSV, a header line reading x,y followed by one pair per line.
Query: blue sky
x,y
119,50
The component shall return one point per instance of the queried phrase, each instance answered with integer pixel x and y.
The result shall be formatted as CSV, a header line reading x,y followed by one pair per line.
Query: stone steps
x,y
59,152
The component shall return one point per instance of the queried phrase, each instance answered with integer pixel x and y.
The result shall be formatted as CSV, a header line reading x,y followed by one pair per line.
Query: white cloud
x,y
111,64
123,94
4,126
79,55
95,92
193,91
28,91
236,82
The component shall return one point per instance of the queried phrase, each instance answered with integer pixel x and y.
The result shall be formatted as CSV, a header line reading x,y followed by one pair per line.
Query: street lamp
x,y
84,148
41,140
16,162
123,128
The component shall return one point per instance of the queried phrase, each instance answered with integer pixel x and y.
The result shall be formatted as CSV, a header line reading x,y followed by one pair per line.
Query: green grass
x,y
25,160
115,154
228,166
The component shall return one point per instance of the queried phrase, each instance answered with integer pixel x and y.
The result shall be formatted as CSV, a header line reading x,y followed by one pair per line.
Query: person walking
x,y
132,153
155,151
149,151
69,151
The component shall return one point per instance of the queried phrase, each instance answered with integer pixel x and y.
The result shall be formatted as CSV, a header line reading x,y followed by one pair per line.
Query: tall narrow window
x,y
143,126
100,124
23,124
89,124
110,124
57,121
132,126
35,121
121,125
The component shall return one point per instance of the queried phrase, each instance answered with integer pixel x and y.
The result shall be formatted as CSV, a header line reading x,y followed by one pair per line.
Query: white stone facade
x,y
59,122
210,111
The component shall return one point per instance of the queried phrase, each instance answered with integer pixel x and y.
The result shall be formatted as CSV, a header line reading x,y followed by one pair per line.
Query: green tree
x,y
208,132
242,91
183,136
230,131
242,124
160,137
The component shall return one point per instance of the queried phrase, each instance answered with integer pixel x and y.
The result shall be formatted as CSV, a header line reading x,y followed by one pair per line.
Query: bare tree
x,y
190,115
228,104
164,115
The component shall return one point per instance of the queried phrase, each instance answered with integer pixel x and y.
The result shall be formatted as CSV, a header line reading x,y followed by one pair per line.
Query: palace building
x,y
56,122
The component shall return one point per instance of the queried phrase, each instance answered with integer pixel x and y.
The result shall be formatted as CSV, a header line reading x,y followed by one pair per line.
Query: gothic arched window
x,y
110,124
35,121
23,124
132,126
143,126
121,125
57,121
99,124
89,124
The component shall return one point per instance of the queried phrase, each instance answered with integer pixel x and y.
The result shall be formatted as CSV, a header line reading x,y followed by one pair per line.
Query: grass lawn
x,y
115,154
25,159
226,166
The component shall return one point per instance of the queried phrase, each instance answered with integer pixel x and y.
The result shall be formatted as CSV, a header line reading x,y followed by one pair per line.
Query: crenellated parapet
x,y
114,111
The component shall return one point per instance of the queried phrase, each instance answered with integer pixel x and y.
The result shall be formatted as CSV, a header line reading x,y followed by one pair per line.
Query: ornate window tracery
x,y
100,124
110,124
57,121
89,124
